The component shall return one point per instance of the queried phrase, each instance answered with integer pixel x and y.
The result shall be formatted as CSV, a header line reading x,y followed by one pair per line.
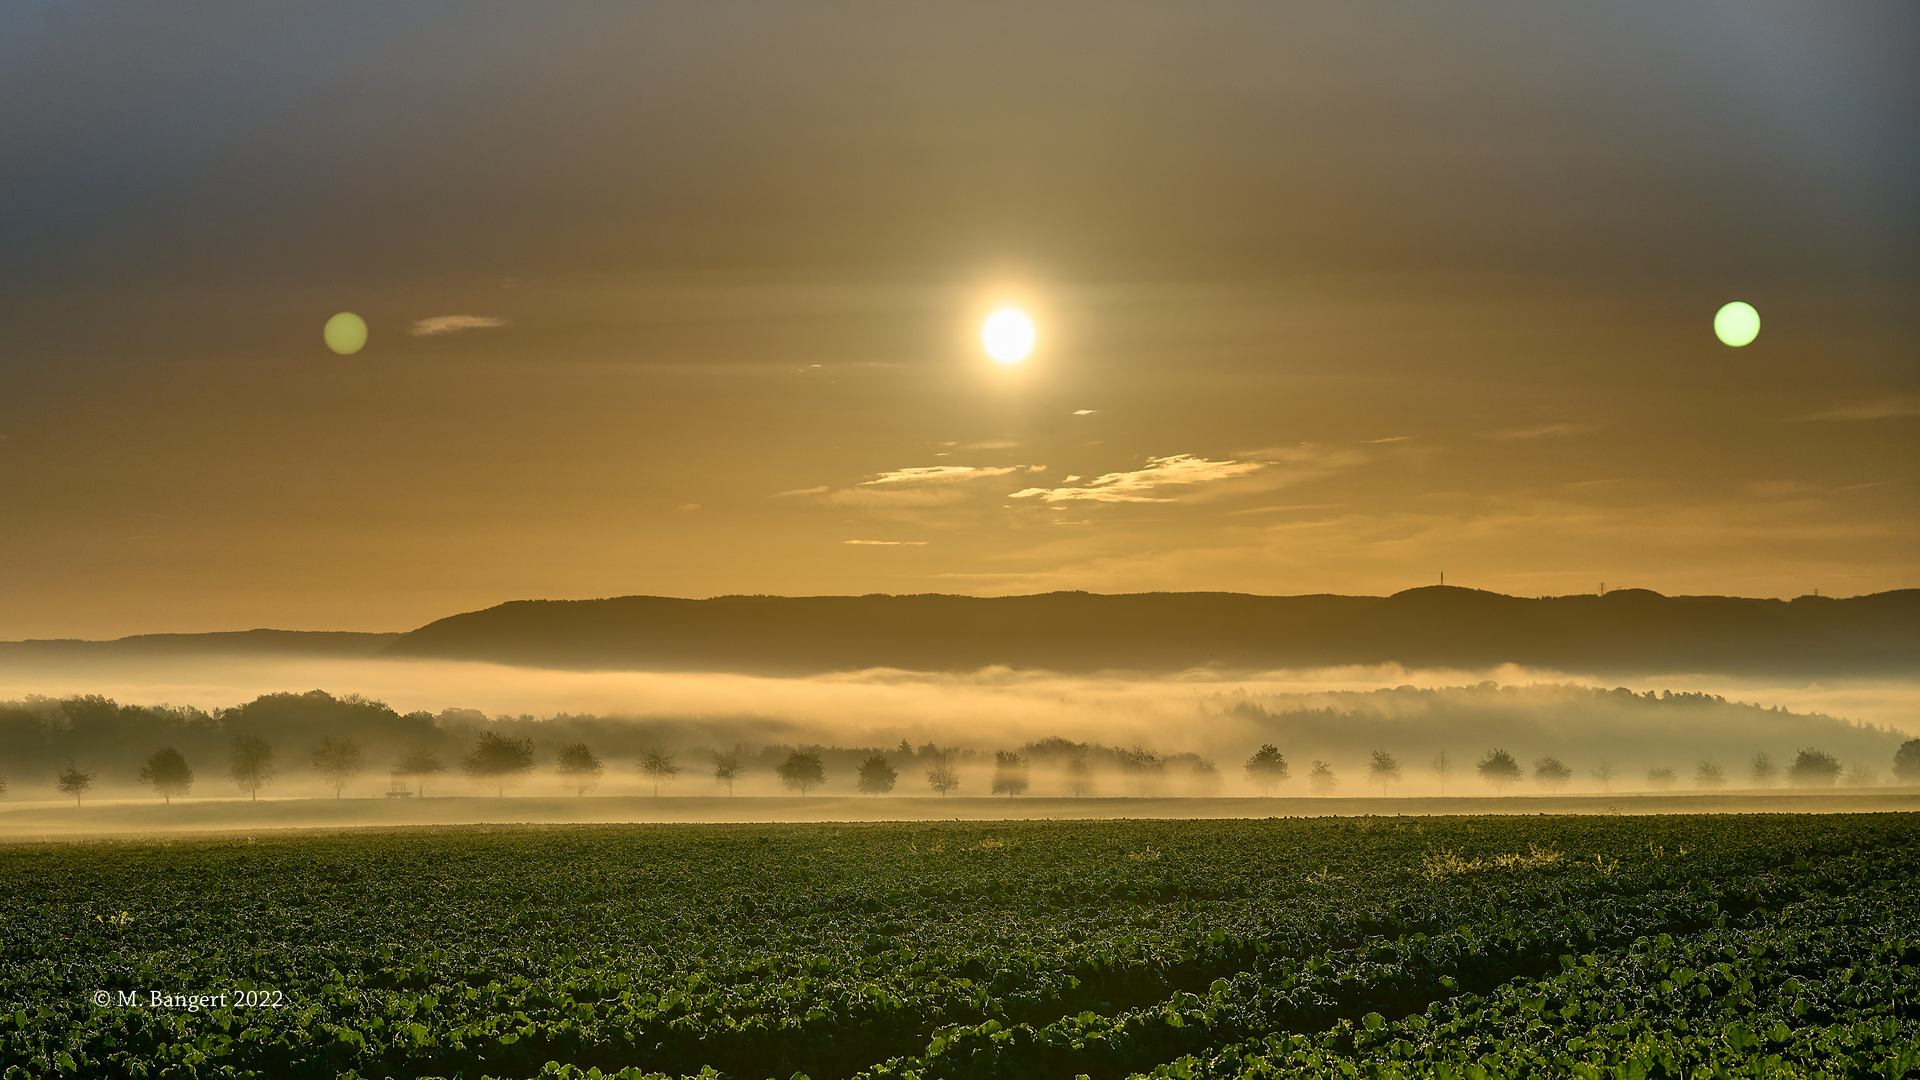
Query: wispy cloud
x,y
939,474
447,324
1544,431
886,543
802,491
1085,412
1886,409
1148,485
922,485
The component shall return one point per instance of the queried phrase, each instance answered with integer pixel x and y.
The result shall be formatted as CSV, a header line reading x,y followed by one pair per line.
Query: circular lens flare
x,y
1007,335
1736,324
346,333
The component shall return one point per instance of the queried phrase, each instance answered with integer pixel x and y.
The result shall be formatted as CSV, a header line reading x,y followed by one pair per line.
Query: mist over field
x,y
85,710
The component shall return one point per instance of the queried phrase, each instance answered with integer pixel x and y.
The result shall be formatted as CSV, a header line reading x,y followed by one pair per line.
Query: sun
x,y
1007,335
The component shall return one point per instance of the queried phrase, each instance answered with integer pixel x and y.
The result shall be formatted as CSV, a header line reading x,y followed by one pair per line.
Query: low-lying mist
x,y
1188,735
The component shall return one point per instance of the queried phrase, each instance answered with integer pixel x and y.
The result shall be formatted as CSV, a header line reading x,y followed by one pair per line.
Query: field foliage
x,y
1379,947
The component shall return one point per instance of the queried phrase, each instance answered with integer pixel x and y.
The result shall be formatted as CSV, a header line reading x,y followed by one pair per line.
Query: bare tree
x,y
726,769
658,766
1442,767
74,780
166,772
339,760
579,768
419,763
1707,774
1383,769
941,776
1603,774
250,763
1266,769
1764,772
500,759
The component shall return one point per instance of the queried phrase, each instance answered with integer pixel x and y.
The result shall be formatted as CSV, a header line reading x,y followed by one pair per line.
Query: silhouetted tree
x,y
658,766
876,776
802,772
1660,779
1763,770
166,772
579,768
1906,762
1079,773
1009,773
941,776
250,763
1603,774
1442,767
1498,769
1551,773
1321,780
1206,777
1813,768
726,769
1859,775
419,763
74,780
339,760
1143,767
500,759
1383,769
1266,769
1708,774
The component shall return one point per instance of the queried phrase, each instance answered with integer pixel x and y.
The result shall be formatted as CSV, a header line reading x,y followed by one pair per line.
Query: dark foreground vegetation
x,y
1464,947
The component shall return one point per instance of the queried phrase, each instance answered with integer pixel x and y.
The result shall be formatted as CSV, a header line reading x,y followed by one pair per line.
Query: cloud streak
x,y
447,324
1544,431
1148,485
922,485
1888,409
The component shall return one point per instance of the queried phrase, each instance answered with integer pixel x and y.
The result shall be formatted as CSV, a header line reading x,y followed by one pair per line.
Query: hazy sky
x,y
682,299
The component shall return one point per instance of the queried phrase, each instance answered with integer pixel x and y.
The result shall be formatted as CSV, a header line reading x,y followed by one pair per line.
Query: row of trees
x,y
1267,769
500,760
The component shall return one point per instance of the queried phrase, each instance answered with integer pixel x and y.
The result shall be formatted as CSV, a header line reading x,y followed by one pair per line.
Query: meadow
x,y
1497,946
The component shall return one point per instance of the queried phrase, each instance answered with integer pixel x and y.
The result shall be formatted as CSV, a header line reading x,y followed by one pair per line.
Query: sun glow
x,y
1008,335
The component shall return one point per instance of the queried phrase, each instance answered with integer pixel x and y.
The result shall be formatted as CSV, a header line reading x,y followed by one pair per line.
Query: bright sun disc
x,y
1736,324
1007,335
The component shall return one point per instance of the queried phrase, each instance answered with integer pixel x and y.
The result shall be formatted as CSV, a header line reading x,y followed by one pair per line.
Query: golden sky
x,y
682,299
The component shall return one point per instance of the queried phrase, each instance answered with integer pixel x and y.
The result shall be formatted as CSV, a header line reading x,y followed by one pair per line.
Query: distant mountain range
x,y
1631,630
1626,631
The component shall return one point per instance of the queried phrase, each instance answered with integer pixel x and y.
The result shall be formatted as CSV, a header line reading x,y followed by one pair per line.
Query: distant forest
x,y
307,743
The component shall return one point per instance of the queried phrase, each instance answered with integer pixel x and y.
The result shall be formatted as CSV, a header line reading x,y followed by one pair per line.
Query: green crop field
x,y
1699,946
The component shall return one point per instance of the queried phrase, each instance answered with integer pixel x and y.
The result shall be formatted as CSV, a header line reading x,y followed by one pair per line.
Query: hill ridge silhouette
x,y
1625,631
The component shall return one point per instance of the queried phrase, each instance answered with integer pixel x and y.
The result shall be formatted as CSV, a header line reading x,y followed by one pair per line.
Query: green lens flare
x,y
346,333
1736,324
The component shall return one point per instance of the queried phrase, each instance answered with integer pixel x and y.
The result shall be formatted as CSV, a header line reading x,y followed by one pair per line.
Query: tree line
x,y
77,742
1267,769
